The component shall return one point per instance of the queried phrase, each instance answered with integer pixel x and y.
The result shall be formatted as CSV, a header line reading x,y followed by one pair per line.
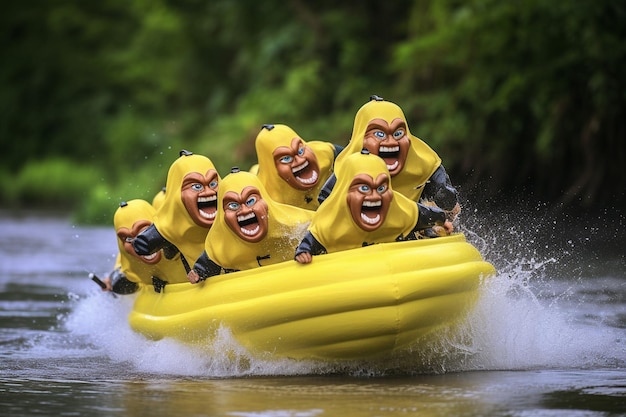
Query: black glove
x,y
120,284
149,241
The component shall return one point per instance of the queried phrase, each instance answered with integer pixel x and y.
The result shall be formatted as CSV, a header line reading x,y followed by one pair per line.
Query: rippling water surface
x,y
546,339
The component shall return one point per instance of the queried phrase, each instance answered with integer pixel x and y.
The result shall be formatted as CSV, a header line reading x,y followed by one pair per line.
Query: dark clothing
x,y
120,284
338,149
428,217
151,241
327,188
310,245
438,189
205,267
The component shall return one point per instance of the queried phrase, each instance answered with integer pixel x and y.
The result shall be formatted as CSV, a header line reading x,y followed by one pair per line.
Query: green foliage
x,y
98,208
53,181
525,95
527,84
103,199
8,193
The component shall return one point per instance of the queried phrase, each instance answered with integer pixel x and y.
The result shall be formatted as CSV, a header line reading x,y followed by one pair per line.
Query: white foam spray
x,y
524,319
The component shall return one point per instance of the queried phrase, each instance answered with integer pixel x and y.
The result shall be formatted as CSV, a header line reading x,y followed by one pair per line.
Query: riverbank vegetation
x,y
97,98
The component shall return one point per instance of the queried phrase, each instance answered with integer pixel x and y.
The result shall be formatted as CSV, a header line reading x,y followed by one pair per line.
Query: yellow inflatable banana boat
x,y
357,304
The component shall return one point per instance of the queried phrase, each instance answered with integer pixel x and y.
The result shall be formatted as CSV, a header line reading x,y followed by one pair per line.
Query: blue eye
x,y
233,206
364,188
213,184
398,133
197,187
379,134
250,202
301,151
382,188
286,159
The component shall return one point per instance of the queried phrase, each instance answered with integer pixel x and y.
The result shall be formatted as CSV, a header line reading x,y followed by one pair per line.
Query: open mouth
x,y
150,257
301,171
370,211
208,207
248,224
390,155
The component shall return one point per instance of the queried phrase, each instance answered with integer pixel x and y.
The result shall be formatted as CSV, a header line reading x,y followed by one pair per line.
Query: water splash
x,y
510,328
221,357
528,316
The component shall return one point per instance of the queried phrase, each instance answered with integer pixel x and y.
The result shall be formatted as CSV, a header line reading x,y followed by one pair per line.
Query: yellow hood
x,y
281,135
333,225
170,270
172,220
126,216
287,225
421,161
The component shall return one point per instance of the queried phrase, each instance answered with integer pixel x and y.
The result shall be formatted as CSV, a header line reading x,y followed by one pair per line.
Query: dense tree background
x,y
97,98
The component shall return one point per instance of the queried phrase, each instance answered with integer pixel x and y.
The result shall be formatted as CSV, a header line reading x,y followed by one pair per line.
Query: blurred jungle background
x,y
519,98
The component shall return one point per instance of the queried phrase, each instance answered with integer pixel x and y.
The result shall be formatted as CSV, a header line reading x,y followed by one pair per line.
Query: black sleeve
x,y
311,245
429,216
149,241
205,267
120,284
327,188
338,150
439,189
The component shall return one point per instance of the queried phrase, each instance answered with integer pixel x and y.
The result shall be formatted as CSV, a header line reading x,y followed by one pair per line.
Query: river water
x,y
547,338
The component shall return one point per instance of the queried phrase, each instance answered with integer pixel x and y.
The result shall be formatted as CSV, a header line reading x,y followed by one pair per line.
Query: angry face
x,y
388,141
369,200
246,214
199,196
126,237
297,165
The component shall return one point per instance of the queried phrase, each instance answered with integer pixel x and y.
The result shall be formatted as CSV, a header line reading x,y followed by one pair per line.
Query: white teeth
x,y
205,214
308,180
150,257
246,231
300,167
207,199
388,149
373,203
370,220
250,232
392,166
208,215
245,217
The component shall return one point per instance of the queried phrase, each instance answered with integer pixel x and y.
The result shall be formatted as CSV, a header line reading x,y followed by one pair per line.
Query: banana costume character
x,y
186,213
363,210
416,171
251,230
132,269
293,171
158,199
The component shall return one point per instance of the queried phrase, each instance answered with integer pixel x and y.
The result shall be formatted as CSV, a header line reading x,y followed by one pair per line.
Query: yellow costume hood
x,y
172,219
170,270
333,225
281,136
126,216
421,161
158,199
287,225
